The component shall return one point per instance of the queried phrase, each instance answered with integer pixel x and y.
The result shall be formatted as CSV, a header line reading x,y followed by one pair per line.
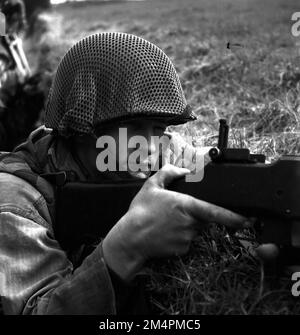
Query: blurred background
x,y
253,83
237,59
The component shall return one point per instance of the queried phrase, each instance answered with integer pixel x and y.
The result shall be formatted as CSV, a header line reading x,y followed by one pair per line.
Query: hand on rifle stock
x,y
160,223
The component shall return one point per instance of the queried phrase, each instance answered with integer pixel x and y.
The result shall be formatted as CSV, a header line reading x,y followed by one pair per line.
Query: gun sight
x,y
222,153
223,134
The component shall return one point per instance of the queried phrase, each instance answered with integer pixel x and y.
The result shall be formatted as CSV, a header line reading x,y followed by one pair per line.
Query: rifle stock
x,y
266,191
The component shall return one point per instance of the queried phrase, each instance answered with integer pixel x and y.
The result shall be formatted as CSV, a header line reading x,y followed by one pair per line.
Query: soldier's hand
x,y
160,223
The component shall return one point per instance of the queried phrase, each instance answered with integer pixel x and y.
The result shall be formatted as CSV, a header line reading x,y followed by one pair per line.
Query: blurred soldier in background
x,y
13,64
19,97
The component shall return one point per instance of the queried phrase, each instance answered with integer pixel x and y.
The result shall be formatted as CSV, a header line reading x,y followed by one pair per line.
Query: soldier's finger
x,y
204,211
167,174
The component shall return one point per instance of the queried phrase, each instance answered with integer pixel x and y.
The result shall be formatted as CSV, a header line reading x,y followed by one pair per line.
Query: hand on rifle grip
x,y
160,223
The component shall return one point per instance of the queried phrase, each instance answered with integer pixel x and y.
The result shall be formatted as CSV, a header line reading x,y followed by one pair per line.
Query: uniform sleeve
x,y
36,277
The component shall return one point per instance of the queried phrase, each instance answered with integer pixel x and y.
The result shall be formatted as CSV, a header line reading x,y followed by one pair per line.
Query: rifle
x,y
234,179
15,47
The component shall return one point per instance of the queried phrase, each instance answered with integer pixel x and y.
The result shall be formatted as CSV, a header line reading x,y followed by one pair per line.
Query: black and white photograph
x,y
150,161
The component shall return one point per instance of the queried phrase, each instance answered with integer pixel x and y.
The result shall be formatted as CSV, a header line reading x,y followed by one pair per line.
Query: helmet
x,y
111,76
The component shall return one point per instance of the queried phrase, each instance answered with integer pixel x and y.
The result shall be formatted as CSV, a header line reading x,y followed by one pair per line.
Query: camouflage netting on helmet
x,y
111,76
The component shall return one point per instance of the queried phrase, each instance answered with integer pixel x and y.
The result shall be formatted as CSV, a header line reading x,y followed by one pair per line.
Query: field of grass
x,y
254,85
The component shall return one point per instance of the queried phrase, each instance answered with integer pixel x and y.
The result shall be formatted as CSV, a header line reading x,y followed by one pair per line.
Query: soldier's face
x,y
125,146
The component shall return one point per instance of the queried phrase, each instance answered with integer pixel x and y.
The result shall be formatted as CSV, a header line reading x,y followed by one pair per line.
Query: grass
x,y
254,86
218,277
